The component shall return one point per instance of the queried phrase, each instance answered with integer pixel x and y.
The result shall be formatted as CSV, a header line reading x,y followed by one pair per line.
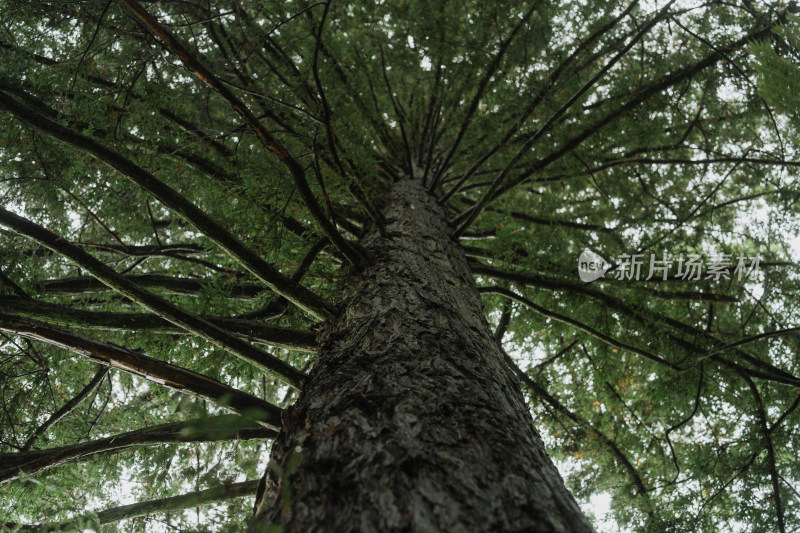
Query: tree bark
x,y
411,420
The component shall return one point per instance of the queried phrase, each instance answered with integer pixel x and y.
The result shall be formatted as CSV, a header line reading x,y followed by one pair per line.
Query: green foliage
x,y
705,162
779,68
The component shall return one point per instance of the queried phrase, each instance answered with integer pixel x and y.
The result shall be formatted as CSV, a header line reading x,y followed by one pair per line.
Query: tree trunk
x,y
411,419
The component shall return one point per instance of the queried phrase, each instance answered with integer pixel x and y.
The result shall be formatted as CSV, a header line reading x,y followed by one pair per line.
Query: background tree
x,y
191,192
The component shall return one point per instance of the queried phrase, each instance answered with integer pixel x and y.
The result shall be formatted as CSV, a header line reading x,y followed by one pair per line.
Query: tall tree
x,y
324,256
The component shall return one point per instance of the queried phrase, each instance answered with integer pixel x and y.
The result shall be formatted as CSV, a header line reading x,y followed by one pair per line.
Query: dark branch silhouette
x,y
211,429
152,302
165,374
135,510
113,321
196,67
176,202
67,408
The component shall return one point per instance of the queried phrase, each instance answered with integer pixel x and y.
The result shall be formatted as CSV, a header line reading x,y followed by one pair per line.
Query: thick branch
x,y
168,284
156,304
176,503
177,203
67,408
194,66
211,429
165,374
277,306
12,286
63,315
167,250
503,323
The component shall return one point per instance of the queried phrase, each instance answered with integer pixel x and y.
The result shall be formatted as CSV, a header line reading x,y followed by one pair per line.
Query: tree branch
x,y
558,406
211,429
467,218
153,302
502,324
194,66
578,325
168,284
16,289
145,367
326,108
494,64
544,221
125,512
398,113
177,203
770,372
540,95
98,81
63,315
642,94
67,408
771,463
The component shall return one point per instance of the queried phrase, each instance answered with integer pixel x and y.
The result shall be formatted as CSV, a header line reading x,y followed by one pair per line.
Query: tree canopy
x,y
184,183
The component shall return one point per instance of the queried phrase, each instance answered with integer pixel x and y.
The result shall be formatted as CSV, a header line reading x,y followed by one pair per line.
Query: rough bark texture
x,y
411,419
